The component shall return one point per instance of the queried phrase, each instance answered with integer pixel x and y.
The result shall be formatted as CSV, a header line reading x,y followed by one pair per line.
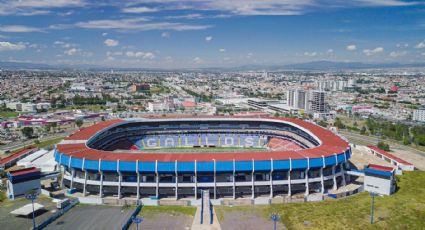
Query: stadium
x,y
179,157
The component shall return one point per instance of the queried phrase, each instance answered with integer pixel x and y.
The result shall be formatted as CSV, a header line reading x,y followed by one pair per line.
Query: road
x,y
21,144
359,139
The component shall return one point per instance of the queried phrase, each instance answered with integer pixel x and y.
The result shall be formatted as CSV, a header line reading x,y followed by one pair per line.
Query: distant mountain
x,y
329,65
307,66
23,65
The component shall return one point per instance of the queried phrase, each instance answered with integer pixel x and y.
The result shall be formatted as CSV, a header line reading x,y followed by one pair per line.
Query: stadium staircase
x,y
205,218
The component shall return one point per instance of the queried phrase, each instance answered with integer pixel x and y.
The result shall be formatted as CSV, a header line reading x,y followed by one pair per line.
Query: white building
x,y
298,99
157,106
379,179
419,115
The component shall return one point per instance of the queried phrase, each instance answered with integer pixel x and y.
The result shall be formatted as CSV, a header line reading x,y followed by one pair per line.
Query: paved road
x,y
372,140
21,144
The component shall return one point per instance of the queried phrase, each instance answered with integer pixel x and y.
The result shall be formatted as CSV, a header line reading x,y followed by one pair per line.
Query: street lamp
x,y
372,194
275,217
137,220
32,197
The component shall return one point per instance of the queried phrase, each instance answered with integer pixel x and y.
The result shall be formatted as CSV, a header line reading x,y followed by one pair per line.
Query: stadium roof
x,y
331,144
389,155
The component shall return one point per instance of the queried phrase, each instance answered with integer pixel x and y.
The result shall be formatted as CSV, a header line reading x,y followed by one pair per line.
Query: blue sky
x,y
211,33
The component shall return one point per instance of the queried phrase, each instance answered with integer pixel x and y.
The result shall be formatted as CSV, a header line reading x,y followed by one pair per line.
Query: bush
x,y
384,146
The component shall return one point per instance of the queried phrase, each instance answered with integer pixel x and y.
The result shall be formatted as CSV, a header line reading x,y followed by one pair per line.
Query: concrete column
x,y
253,180
196,181
101,185
72,178
63,174
234,182
289,183
252,187
307,191
119,184
177,186
85,183
138,185
271,184
157,185
271,178
322,182
343,175
215,181
335,187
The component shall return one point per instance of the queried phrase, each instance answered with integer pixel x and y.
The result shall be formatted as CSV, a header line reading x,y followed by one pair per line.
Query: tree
x,y
363,130
384,146
78,123
27,132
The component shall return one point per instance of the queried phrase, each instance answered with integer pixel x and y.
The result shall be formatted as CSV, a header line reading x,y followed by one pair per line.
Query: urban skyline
x,y
197,34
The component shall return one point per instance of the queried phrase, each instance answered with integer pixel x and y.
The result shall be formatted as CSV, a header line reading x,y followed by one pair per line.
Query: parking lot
x,y
10,221
93,217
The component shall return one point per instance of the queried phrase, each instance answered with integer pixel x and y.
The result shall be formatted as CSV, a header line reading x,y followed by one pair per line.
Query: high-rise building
x,y
317,101
297,98
419,115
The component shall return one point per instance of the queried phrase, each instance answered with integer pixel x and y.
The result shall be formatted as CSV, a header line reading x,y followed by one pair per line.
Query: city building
x,y
139,87
317,100
419,114
23,181
379,179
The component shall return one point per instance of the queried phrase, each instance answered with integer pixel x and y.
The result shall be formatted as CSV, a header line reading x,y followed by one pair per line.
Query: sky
x,y
211,33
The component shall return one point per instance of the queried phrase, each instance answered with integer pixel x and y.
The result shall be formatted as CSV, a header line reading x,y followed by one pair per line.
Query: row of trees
x,y
28,132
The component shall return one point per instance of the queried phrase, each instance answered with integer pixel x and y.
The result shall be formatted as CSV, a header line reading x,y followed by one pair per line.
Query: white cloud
x,y
310,54
420,45
369,52
72,51
36,7
401,45
138,24
138,10
140,54
104,34
386,2
165,35
198,60
351,47
111,42
187,16
222,50
208,38
169,59
330,51
396,54
7,46
19,29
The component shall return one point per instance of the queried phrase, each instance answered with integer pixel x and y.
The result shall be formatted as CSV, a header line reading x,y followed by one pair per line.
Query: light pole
x,y
137,220
275,217
372,194
32,197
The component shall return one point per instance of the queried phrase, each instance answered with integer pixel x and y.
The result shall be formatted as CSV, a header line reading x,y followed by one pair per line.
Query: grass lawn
x,y
9,114
48,142
185,210
403,210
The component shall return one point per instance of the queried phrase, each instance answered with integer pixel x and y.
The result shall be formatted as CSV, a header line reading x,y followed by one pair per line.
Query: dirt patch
x,y
245,219
165,221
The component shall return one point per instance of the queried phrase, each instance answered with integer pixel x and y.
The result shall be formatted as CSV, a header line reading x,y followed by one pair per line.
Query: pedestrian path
x,y
206,215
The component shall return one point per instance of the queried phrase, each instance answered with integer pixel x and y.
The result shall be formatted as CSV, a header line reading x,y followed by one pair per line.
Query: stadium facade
x,y
180,157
